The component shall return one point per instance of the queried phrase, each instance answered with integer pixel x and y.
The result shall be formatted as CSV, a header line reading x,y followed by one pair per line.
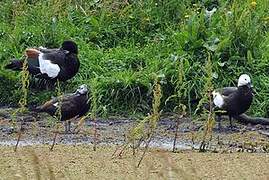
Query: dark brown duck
x,y
69,106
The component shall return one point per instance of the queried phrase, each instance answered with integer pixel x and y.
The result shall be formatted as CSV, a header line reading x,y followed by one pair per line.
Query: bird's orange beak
x,y
32,53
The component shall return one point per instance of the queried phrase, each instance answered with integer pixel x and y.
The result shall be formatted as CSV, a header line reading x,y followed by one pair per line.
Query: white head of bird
x,y
83,89
243,80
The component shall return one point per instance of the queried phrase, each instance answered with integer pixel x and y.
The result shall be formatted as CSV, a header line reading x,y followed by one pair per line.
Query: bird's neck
x,y
244,90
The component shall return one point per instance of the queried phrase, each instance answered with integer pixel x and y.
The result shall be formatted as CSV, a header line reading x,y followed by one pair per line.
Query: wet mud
x,y
39,130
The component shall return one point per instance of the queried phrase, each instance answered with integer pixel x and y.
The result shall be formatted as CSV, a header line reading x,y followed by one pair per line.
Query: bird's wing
x,y
71,107
221,96
52,63
34,52
226,91
33,62
49,106
56,57
45,50
56,102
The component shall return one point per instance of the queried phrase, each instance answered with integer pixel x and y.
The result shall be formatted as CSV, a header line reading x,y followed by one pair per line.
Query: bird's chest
x,y
240,103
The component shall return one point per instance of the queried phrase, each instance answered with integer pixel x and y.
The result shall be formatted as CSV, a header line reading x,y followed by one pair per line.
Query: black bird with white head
x,y
233,101
69,106
74,105
50,64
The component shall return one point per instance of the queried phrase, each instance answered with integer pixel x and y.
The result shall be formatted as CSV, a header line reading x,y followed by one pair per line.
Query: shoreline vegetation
x,y
141,59
125,45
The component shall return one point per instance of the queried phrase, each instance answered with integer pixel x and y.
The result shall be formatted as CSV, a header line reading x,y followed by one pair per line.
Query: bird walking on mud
x,y
70,105
233,101
50,65
67,107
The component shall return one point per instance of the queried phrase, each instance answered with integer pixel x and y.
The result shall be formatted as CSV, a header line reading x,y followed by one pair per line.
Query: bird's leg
x,y
54,139
19,138
41,84
230,119
67,125
51,84
56,132
219,122
233,127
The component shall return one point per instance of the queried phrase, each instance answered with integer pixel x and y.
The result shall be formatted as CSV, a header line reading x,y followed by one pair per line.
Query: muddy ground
x,y
230,154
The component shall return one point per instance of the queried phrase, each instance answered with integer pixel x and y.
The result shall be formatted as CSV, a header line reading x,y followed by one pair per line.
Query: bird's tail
x,y
37,109
33,66
15,65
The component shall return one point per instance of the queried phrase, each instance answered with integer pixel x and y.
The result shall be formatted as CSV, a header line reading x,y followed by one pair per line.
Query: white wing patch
x,y
218,99
46,67
56,104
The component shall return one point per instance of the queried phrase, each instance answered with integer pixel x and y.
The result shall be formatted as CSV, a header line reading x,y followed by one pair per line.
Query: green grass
x,y
125,44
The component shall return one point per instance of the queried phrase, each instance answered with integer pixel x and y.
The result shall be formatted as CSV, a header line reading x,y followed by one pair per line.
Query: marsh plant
x,y
58,114
208,112
94,106
24,87
59,94
180,109
145,129
23,100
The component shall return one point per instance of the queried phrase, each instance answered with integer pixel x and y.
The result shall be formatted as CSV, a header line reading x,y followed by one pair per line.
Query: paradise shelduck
x,y
67,106
233,101
50,64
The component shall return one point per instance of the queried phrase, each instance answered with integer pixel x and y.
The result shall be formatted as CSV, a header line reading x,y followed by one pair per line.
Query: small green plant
x,y
58,113
207,99
181,108
24,87
59,94
142,132
154,117
23,100
94,106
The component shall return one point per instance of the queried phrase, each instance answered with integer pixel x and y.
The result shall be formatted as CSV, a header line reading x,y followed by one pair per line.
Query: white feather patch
x,y
218,99
55,104
46,67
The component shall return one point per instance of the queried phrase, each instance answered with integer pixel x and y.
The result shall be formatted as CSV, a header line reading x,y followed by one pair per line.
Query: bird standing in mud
x,y
233,101
50,64
69,106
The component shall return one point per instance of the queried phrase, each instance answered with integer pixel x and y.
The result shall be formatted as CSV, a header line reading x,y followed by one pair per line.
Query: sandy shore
x,y
241,153
81,162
